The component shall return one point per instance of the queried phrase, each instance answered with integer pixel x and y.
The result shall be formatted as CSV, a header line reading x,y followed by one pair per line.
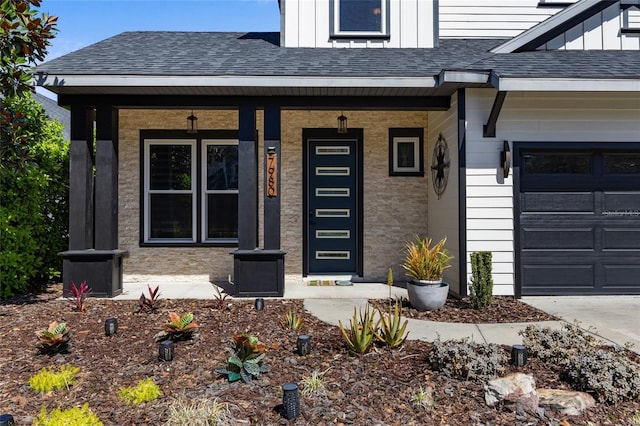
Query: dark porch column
x,y
257,272
93,216
272,202
81,179
106,198
247,179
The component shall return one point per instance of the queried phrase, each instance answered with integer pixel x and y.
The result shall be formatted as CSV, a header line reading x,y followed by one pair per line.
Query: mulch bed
x,y
372,389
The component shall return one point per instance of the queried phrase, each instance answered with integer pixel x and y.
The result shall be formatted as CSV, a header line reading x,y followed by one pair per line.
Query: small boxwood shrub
x,y
610,376
467,360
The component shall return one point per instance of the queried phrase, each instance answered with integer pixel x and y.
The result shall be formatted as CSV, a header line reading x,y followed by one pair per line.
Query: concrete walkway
x,y
614,319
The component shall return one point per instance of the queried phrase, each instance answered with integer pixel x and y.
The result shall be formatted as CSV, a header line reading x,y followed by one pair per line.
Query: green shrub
x,y
46,380
72,417
556,346
33,227
146,390
481,279
611,376
467,360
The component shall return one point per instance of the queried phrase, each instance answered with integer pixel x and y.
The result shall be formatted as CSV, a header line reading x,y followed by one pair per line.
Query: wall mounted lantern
x,y
342,124
192,124
505,159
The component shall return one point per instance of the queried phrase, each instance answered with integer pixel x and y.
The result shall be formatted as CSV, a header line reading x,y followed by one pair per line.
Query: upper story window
x,y
360,18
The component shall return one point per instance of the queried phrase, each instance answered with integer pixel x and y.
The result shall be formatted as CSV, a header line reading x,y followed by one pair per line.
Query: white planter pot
x,y
427,296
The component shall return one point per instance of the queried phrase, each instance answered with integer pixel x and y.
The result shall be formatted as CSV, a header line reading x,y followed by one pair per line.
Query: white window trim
x,y
148,191
335,23
204,204
416,154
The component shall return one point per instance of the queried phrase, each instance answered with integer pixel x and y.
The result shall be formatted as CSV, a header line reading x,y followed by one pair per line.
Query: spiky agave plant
x,y
359,337
178,328
55,339
390,329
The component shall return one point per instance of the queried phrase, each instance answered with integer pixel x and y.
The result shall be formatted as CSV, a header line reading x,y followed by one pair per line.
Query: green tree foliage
x,y
33,200
481,279
24,37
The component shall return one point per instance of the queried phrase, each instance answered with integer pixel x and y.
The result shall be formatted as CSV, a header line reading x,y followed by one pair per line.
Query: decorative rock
x,y
570,403
518,389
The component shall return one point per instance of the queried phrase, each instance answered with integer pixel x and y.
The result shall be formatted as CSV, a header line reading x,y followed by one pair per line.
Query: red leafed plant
x,y
78,295
149,303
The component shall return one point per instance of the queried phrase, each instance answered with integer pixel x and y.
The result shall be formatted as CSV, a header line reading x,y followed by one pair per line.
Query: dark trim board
x,y
401,103
328,133
462,191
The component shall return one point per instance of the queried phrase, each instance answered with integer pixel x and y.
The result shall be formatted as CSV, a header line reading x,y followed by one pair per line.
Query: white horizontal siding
x,y
443,213
601,31
530,116
490,18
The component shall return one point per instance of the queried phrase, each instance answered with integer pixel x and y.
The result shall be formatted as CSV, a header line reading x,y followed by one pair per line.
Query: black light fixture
x,y
259,304
304,345
518,355
165,350
7,420
342,124
110,326
290,400
192,124
505,159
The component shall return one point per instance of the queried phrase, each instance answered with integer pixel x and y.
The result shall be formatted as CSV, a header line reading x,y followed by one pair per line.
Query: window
x,y
406,152
178,207
557,163
360,18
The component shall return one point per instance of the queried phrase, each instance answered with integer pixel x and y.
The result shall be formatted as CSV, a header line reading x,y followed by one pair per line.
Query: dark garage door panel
x,y
574,239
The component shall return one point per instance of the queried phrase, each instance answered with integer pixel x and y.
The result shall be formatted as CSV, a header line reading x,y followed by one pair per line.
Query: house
x,y
511,126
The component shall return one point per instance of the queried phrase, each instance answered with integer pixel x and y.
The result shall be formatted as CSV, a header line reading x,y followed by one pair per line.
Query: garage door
x,y
578,219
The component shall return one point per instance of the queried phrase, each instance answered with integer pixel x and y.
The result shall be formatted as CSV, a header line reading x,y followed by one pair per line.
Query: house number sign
x,y
272,172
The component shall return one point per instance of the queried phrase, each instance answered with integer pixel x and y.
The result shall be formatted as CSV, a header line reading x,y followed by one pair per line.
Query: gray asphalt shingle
x,y
259,54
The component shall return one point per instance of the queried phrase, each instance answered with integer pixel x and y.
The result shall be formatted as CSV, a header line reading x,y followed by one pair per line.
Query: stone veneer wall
x,y
394,207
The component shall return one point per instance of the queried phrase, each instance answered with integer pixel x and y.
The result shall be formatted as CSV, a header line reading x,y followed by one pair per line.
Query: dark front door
x,y
332,205
579,219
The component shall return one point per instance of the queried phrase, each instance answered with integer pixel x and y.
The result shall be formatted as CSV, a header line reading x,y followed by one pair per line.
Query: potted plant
x,y
424,264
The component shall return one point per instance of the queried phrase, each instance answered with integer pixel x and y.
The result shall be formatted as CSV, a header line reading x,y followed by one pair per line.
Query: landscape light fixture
x,y
304,345
7,420
165,350
110,326
342,124
259,304
518,355
192,124
290,400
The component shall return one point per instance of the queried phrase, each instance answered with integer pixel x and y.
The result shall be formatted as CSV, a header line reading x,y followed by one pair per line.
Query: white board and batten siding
x,y
601,32
531,117
491,18
307,23
443,213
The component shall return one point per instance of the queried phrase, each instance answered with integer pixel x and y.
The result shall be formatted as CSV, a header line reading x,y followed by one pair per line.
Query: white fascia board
x,y
566,84
544,26
74,80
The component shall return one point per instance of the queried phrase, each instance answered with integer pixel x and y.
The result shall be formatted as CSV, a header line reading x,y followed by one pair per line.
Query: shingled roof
x,y
135,59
